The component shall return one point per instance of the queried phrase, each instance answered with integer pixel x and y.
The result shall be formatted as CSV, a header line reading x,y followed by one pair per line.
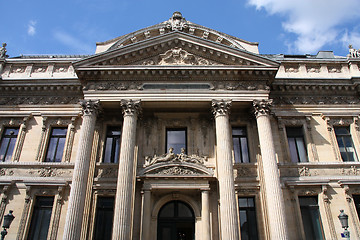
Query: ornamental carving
x,y
177,171
38,100
110,172
262,107
6,172
90,106
318,100
308,192
171,157
313,69
130,107
292,69
352,171
178,56
220,107
47,172
176,22
304,172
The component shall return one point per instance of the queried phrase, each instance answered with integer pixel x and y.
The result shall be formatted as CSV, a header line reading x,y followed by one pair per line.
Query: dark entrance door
x,y
176,221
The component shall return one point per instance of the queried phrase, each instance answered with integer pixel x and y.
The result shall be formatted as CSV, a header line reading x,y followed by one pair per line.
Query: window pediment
x,y
176,169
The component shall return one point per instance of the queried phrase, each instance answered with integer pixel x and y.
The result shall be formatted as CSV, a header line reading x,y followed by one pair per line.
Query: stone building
x,y
182,132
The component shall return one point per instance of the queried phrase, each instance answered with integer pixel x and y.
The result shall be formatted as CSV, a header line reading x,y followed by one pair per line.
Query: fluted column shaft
x,y
146,218
75,210
125,182
228,211
273,192
205,215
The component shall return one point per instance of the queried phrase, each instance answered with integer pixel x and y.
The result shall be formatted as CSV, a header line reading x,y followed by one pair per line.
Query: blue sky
x,y
280,26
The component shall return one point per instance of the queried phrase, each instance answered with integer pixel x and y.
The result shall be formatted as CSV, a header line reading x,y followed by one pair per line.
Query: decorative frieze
x,y
317,100
176,22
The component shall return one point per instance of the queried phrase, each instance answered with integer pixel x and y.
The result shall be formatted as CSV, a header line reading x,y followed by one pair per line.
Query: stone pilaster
x,y
273,192
146,214
75,210
122,227
205,214
228,210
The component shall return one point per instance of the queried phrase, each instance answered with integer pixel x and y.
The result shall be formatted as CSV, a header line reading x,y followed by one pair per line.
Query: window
x,y
8,142
295,136
104,218
247,215
112,145
176,138
56,145
357,204
40,220
241,150
345,143
311,218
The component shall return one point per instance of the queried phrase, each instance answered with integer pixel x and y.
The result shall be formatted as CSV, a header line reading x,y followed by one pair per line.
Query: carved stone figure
x,y
172,157
3,51
163,158
353,52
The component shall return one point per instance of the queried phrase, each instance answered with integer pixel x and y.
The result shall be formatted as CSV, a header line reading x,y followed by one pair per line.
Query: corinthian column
x,y
75,210
125,184
228,211
273,193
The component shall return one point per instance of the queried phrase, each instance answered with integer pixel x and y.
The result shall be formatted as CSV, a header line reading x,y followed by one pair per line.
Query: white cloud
x,y
73,42
31,28
315,22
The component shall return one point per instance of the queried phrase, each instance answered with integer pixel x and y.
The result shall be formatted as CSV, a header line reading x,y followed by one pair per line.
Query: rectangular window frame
x,y
241,155
33,215
247,209
312,208
95,214
300,158
113,154
348,136
52,137
12,140
168,129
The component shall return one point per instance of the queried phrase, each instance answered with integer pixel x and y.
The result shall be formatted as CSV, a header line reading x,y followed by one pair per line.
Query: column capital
x,y
220,107
130,107
90,107
262,107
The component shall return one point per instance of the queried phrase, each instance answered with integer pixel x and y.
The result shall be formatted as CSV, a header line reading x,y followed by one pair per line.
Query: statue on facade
x,y
353,53
3,51
163,158
172,157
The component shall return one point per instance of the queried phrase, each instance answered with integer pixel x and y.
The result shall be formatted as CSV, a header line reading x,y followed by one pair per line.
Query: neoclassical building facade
x,y
180,132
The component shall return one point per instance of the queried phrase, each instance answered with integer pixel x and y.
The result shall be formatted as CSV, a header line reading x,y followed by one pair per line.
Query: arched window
x,y
176,221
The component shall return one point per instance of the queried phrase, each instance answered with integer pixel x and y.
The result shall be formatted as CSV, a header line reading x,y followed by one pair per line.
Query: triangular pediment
x,y
175,49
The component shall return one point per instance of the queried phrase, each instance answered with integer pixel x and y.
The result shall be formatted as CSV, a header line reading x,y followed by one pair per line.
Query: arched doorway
x,y
176,221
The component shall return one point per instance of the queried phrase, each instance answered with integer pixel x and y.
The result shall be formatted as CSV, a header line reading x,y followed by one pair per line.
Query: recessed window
x,y
56,145
295,136
247,214
311,218
112,145
240,143
357,204
176,139
8,142
104,218
345,143
40,220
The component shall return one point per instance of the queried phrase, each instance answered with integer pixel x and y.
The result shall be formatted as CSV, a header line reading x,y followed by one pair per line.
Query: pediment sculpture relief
x,y
178,56
171,157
